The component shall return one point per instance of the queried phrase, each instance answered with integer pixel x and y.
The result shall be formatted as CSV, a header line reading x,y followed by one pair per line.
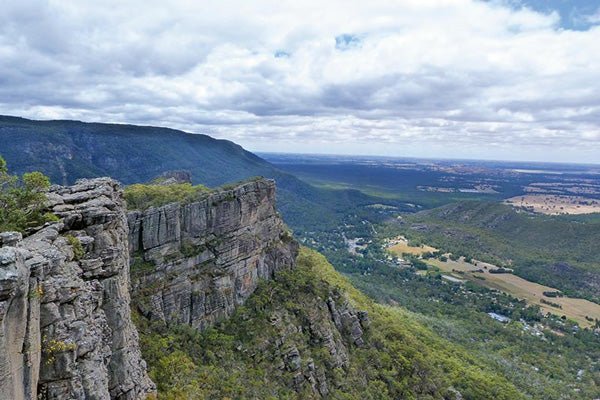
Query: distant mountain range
x,y
68,150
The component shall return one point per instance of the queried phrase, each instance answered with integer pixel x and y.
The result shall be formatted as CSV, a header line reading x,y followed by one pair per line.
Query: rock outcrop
x,y
195,263
65,325
173,177
65,315
310,340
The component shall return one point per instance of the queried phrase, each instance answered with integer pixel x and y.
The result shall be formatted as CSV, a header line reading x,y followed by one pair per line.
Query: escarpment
x,y
66,330
195,263
65,305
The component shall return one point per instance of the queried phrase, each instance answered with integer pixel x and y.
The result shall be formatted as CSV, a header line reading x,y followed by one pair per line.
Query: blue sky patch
x,y
574,14
281,54
347,41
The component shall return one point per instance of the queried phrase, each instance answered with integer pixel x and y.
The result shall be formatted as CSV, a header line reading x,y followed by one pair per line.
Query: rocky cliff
x,y
65,316
194,263
65,325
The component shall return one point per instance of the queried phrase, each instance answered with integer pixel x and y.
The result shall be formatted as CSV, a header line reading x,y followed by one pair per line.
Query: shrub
x,y
239,358
37,292
189,249
142,197
550,303
22,200
552,294
75,244
53,347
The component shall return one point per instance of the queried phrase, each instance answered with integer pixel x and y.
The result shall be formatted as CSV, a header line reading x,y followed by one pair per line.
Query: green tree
x,y
22,200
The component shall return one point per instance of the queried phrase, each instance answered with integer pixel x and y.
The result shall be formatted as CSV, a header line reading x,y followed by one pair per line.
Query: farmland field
x,y
573,308
478,272
400,246
555,205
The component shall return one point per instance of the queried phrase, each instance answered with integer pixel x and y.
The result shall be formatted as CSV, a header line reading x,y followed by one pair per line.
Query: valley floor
x,y
584,312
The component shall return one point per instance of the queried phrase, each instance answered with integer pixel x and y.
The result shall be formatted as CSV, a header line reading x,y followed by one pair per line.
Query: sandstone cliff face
x,y
65,325
65,314
195,263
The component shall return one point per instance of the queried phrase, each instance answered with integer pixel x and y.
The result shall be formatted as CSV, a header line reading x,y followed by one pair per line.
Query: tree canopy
x,y
22,199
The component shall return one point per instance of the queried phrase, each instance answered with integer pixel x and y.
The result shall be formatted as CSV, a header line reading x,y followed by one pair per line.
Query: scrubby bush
x,y
141,196
239,358
75,244
22,200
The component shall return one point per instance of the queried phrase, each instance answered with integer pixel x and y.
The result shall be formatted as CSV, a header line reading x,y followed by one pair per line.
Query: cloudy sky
x,y
442,78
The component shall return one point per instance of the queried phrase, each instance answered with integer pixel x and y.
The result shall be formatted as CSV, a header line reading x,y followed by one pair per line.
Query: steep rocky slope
x,y
194,263
65,326
308,334
222,307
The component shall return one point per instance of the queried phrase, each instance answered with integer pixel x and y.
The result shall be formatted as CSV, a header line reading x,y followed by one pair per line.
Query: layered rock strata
x,y
65,309
65,325
195,263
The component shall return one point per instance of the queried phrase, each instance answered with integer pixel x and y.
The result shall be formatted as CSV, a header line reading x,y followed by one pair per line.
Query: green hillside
x,y
279,346
68,150
559,251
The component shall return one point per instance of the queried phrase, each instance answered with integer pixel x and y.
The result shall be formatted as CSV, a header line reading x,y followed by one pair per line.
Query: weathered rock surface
x,y
326,328
65,316
65,325
195,263
172,177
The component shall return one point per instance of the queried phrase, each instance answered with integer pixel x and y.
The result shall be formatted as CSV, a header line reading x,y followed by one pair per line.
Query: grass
x,y
556,204
75,243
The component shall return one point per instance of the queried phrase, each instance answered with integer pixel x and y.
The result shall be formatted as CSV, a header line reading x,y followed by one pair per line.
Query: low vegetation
x,y
53,347
534,293
540,354
76,246
555,204
556,251
144,196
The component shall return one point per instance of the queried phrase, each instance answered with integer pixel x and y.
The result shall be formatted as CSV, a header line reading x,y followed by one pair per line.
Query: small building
x,y
452,279
499,317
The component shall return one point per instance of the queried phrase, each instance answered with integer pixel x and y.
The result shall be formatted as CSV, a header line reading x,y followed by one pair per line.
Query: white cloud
x,y
422,76
593,18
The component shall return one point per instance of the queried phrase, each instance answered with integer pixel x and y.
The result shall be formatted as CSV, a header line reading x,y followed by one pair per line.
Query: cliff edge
x,y
195,263
65,307
65,325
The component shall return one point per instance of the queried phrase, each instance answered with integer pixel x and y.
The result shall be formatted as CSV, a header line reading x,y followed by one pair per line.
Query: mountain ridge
x,y
67,150
13,128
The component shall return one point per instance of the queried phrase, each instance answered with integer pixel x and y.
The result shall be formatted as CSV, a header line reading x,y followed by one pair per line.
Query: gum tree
x,y
22,199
